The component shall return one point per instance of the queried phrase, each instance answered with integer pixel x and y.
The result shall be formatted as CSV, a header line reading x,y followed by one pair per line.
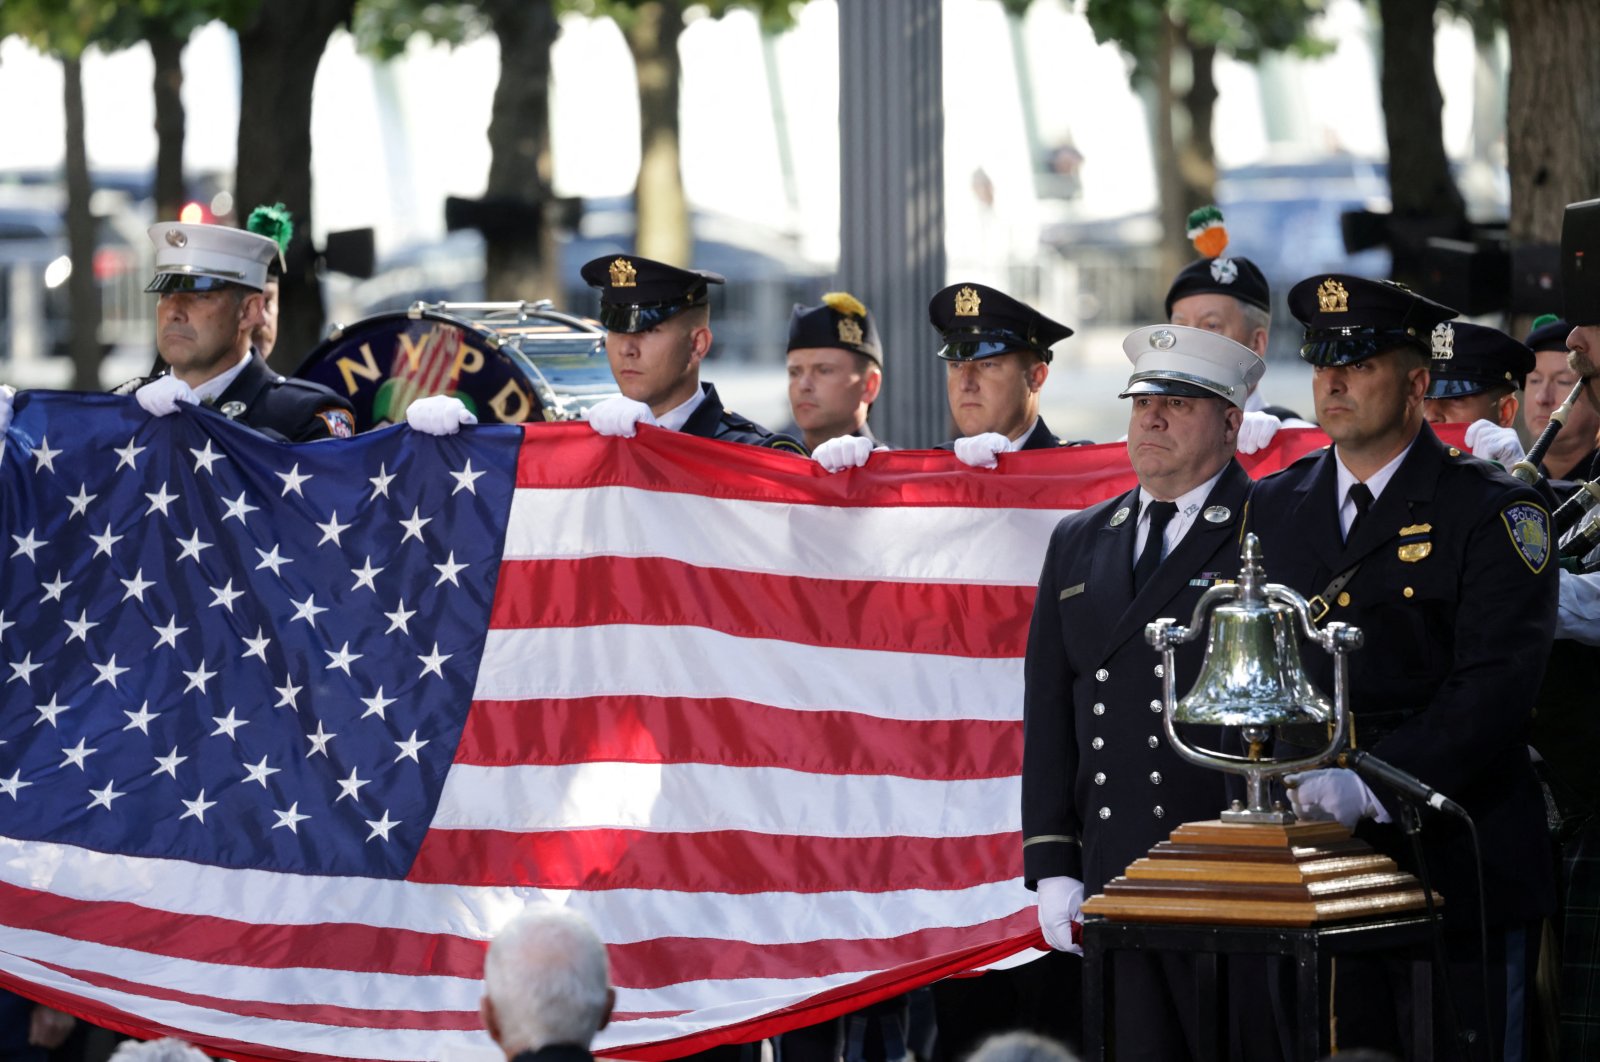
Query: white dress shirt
x,y
212,389
1375,483
675,418
1188,504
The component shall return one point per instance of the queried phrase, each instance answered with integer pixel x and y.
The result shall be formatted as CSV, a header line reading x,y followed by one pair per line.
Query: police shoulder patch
x,y
339,422
1529,527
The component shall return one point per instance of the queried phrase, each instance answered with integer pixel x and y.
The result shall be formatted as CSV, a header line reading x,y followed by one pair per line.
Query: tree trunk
x,y
1186,154
279,52
662,207
1424,197
82,293
1197,151
519,261
167,50
1169,177
1552,113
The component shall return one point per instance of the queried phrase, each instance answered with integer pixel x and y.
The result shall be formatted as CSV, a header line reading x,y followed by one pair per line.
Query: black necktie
x,y
1361,494
1161,514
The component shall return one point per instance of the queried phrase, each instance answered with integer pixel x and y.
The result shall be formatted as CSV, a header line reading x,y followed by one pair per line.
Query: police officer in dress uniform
x,y
1100,784
997,357
210,280
835,363
1446,563
1475,374
658,321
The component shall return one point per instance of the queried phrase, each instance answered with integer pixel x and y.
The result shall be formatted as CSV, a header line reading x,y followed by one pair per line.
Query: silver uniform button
x,y
1100,743
1155,777
1099,709
1155,706
1158,811
1154,741
1161,672
1102,675
1100,778
1105,813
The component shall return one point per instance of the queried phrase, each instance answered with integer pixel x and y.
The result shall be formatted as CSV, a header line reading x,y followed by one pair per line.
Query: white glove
x,y
439,415
1333,793
6,394
160,397
979,450
1256,431
619,416
847,451
1060,900
1494,443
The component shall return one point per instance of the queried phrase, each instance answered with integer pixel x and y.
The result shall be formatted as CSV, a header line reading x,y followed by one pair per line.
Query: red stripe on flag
x,y
951,619
728,861
640,729
838,1001
120,1021
314,1013
204,938
657,459
642,965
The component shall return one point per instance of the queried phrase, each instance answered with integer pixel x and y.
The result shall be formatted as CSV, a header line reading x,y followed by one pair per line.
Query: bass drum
x,y
510,363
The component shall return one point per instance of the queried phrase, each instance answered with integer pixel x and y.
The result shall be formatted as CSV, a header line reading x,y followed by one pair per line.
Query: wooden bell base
x,y
1259,874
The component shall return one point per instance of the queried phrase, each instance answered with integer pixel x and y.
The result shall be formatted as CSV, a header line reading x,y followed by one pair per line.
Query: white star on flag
x,y
197,807
168,764
381,827
127,454
160,500
238,508
45,456
80,501
292,480
228,724
108,672
48,712
204,459
140,720
466,479
28,544
104,797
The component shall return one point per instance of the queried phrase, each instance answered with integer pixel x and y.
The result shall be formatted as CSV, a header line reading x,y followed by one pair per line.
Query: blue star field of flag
x,y
237,652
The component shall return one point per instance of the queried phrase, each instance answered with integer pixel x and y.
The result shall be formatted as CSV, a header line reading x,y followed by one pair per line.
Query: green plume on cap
x,y
1544,319
274,222
1204,218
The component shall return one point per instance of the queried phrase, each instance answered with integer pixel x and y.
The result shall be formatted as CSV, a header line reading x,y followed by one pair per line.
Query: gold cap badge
x,y
1332,298
623,273
967,302
849,331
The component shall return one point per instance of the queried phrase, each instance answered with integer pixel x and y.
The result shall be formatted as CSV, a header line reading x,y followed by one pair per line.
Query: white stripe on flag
x,y
900,543
700,797
695,662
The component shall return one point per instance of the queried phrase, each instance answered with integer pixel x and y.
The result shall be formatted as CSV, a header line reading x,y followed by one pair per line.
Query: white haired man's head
x,y
546,981
166,1050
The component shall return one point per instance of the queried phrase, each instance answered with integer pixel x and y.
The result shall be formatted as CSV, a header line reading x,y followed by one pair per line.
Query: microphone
x,y
1364,763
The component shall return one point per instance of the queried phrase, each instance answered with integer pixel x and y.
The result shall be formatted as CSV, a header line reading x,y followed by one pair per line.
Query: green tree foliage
x,y
1173,46
652,29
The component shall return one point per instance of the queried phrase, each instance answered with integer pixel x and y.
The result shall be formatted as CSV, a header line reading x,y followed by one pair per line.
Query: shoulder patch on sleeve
x,y
340,424
1529,527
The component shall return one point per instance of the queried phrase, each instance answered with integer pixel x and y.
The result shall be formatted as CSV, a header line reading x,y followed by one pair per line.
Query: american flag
x,y
286,732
